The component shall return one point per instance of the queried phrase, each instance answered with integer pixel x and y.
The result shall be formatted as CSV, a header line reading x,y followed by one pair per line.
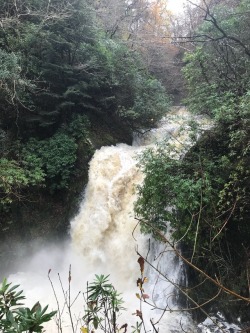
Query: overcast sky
x,y
176,6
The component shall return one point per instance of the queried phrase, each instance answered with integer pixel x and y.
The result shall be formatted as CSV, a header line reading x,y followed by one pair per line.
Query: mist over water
x,y
104,239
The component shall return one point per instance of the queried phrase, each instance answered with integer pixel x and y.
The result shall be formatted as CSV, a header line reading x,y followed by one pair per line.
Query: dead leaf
x,y
92,305
125,327
139,314
141,263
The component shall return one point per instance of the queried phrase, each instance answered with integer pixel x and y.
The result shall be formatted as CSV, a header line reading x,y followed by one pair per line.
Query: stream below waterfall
x,y
104,240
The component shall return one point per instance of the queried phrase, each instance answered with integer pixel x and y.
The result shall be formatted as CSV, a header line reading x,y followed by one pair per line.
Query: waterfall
x,y
105,236
105,232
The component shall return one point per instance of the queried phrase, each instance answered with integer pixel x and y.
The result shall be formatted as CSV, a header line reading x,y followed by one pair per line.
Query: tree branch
x,y
214,281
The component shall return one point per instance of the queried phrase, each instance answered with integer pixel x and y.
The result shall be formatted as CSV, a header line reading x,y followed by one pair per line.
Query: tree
x,y
57,67
145,26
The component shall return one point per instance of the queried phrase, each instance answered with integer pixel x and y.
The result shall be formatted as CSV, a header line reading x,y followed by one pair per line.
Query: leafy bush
x,y
79,127
16,177
150,103
14,317
103,306
174,191
56,156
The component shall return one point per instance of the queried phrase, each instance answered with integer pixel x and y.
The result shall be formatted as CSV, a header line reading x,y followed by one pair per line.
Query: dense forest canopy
x,y
61,74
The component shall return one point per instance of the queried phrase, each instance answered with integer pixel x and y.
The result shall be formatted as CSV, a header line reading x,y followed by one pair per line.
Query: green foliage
x,y
14,317
55,156
79,127
9,67
217,70
12,83
18,176
150,103
175,191
73,68
103,305
127,90
46,162
218,83
205,97
60,76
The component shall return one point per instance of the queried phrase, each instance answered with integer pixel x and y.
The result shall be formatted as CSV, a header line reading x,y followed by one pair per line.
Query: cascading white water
x,y
104,235
102,231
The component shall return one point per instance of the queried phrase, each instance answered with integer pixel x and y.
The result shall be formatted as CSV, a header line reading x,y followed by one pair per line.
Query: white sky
x,y
176,6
